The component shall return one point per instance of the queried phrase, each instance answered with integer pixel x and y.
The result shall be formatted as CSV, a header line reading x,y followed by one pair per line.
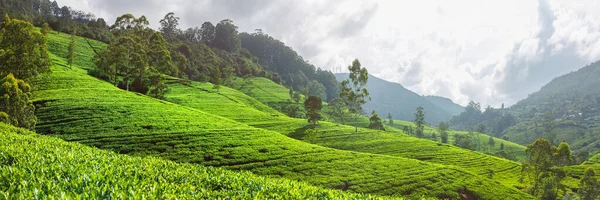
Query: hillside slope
x,y
574,102
594,160
388,97
34,166
447,104
77,107
235,105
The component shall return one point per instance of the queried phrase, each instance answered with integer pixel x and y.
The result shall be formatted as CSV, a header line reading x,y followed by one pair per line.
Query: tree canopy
x,y
22,49
15,105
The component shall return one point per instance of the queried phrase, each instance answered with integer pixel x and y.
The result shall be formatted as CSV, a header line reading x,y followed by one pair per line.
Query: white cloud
x,y
489,51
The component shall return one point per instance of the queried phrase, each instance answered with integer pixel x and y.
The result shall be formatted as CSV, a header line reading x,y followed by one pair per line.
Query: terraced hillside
x,y
235,105
29,169
77,107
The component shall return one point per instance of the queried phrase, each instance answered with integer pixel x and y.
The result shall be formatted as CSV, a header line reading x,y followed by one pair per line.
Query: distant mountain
x,y
446,104
388,97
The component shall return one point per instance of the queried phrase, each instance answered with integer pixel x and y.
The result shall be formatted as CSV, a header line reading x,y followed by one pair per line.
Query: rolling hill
x,y
238,106
30,169
388,97
79,108
595,159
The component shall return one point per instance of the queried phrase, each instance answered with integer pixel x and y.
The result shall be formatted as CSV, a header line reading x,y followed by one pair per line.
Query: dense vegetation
x,y
29,169
566,109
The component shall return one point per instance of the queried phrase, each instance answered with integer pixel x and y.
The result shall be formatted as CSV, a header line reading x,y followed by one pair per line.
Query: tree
x,y
588,187
420,122
491,142
45,29
337,109
226,36
563,155
546,179
137,53
168,26
207,33
216,77
15,105
22,49
375,122
443,129
356,95
71,53
501,146
390,119
297,97
316,89
313,107
434,137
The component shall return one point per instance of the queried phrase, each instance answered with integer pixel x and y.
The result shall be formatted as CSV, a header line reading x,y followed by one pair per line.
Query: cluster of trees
x,y
23,55
543,169
59,18
288,67
494,120
136,57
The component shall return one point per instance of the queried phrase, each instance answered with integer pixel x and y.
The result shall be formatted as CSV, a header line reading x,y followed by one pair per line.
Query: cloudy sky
x,y
491,52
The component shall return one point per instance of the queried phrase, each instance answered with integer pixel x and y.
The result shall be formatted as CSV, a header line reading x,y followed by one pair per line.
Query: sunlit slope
x,y
230,103
594,160
510,147
34,166
77,107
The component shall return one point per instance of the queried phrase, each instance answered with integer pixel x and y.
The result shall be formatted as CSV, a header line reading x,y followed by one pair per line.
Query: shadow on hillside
x,y
300,133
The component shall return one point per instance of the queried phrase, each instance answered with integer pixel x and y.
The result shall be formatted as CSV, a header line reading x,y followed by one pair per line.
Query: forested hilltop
x,y
566,109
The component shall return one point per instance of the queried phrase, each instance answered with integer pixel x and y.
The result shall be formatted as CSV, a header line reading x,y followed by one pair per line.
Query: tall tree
x,y
168,27
443,129
226,36
15,105
207,33
216,77
491,142
22,49
355,95
71,53
337,109
390,119
420,122
313,107
588,187
563,155
545,178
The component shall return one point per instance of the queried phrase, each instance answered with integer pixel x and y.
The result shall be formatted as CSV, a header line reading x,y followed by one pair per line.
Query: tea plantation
x,y
235,105
41,167
79,108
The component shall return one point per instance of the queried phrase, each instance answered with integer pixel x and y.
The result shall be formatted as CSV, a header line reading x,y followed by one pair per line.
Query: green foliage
x,y
465,141
45,29
420,122
313,107
15,103
540,169
563,155
589,189
22,49
337,110
316,89
138,54
216,79
375,122
226,36
443,129
390,119
355,95
71,54
33,166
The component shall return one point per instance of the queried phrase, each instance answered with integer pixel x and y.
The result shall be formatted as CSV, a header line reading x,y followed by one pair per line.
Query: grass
x,y
41,167
233,104
79,108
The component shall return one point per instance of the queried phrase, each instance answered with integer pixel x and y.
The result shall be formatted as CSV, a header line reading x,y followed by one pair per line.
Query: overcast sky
x,y
491,52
